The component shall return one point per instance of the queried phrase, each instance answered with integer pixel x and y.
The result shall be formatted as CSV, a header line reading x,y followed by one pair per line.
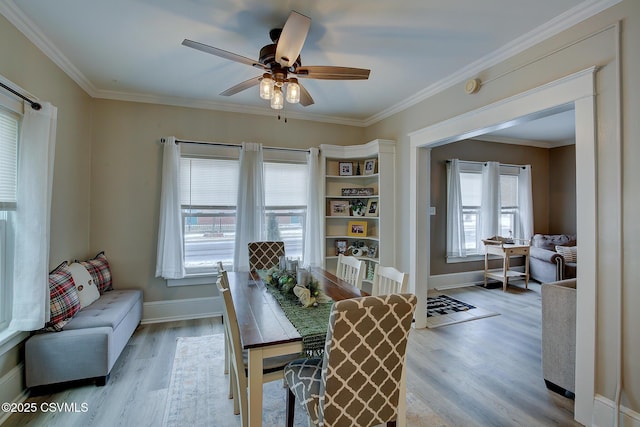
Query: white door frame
x,y
577,89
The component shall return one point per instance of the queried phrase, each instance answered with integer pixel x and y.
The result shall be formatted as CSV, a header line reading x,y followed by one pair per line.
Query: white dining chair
x,y
388,280
273,367
351,270
223,283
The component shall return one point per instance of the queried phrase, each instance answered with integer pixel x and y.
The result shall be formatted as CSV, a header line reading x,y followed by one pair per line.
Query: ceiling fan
x,y
282,65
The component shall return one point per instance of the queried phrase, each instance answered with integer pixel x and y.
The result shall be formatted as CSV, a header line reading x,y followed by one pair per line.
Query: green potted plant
x,y
358,207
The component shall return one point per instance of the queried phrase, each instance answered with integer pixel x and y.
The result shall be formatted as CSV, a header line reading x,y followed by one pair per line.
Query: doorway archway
x,y
576,89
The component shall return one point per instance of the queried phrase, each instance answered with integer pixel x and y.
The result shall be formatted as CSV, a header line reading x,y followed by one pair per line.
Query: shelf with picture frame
x,y
362,248
361,175
352,206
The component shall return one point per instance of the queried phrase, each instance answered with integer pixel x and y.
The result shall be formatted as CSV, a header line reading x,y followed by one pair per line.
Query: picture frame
x,y
341,246
339,208
357,229
373,251
372,208
345,168
369,167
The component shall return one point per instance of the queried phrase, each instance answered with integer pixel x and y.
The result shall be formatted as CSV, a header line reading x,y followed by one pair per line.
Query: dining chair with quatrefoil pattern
x,y
360,381
264,255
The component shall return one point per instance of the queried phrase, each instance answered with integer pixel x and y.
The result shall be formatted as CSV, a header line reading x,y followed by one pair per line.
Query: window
x,y
285,200
9,126
208,196
471,189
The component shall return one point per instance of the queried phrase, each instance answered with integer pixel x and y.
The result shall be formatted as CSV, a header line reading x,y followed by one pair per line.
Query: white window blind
x,y
208,182
285,184
8,160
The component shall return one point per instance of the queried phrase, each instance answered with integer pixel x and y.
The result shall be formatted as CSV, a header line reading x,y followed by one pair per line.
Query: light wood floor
x,y
484,372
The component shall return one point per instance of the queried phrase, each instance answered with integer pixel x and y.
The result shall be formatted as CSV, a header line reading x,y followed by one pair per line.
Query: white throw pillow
x,y
569,253
87,289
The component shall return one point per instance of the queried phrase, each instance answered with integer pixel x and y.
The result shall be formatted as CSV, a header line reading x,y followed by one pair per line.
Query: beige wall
x,y
126,175
562,190
106,179
593,42
480,151
28,68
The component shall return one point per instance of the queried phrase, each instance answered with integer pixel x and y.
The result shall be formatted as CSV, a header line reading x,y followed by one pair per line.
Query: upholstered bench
x,y
87,344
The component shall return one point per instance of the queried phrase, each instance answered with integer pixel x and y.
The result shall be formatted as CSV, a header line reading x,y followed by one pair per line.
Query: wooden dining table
x,y
265,331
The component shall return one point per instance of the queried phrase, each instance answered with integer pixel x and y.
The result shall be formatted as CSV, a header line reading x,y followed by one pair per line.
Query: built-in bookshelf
x,y
359,203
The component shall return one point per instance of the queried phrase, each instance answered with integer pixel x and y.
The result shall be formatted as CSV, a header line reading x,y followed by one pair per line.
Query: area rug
x,y
198,391
443,310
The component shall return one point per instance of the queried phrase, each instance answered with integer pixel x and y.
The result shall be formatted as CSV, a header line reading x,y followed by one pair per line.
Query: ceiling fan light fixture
x,y
277,102
266,87
293,91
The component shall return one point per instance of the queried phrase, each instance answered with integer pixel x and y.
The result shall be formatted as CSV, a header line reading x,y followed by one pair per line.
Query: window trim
x,y
8,337
474,167
232,154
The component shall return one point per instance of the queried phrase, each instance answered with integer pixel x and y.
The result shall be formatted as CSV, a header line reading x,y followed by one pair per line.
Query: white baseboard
x,y
12,389
456,280
183,309
604,410
459,280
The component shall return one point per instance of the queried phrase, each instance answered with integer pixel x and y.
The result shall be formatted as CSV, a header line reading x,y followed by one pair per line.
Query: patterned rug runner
x,y
198,389
198,392
443,310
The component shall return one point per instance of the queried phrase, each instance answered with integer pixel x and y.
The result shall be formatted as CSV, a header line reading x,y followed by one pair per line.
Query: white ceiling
x,y
131,49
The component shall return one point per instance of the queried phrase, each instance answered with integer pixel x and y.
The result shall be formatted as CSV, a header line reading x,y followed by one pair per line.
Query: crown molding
x,y
230,108
560,23
556,25
14,15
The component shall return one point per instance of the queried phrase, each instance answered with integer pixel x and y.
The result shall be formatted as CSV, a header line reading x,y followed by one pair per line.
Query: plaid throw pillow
x,y
100,271
63,297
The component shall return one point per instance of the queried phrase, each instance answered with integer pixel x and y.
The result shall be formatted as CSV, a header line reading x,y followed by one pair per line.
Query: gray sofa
x,y
90,343
545,264
559,335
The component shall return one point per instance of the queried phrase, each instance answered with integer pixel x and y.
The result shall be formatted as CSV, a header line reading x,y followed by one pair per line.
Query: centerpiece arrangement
x,y
299,283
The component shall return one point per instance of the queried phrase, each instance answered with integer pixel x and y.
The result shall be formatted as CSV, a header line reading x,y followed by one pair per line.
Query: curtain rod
x,y
35,105
225,144
485,163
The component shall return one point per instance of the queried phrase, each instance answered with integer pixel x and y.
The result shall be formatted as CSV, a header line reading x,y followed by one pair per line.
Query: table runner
x,y
310,322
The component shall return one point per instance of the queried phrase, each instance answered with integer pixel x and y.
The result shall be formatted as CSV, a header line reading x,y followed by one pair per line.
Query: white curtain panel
x,y
36,154
311,256
525,203
170,256
455,224
250,218
491,201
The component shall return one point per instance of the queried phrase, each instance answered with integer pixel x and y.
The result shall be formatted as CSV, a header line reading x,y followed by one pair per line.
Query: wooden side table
x,y
519,247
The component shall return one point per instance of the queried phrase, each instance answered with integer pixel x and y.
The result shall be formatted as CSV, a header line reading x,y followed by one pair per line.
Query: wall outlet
x,y
432,210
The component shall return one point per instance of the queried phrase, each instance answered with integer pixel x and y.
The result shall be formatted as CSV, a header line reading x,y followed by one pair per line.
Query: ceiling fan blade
x,y
332,73
305,97
242,86
222,53
292,38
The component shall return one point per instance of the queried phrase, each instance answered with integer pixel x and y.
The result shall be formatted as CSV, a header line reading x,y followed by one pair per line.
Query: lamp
x,y
277,101
293,91
266,86
271,87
